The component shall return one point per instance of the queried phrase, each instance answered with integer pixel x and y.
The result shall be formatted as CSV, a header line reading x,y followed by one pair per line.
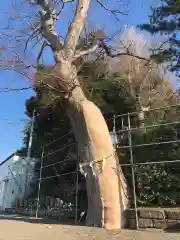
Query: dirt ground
x,y
21,228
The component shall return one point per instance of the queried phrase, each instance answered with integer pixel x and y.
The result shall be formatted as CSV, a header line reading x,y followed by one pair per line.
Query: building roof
x,y
7,159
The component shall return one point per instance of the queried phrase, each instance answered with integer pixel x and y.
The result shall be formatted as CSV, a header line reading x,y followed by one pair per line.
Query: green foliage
x,y
165,20
156,184
111,96
51,123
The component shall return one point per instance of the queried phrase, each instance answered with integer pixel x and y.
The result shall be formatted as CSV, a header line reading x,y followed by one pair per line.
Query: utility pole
x,y
29,149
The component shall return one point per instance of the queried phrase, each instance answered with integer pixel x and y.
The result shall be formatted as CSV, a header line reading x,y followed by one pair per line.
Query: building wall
x,y
15,176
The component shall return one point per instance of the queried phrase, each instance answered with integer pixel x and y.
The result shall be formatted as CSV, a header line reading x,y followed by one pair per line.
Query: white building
x,y
16,173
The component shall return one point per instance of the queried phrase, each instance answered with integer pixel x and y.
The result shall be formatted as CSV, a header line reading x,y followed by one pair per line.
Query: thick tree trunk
x,y
106,186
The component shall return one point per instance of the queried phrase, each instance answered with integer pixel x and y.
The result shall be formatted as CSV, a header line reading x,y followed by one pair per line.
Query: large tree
x,y
165,20
51,123
95,148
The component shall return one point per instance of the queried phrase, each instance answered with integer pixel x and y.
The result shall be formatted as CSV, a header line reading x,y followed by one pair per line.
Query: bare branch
x,y
32,36
112,11
4,90
159,48
63,4
37,84
109,53
41,52
40,83
48,17
86,52
61,83
76,28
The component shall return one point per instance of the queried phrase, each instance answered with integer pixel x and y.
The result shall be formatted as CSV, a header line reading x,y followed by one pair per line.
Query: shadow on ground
x,y
175,228
34,220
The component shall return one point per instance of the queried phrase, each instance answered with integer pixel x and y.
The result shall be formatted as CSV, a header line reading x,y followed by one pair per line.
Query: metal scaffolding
x,y
126,127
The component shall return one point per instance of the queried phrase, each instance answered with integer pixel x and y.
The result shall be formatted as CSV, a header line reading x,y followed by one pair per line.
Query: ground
x,y
20,228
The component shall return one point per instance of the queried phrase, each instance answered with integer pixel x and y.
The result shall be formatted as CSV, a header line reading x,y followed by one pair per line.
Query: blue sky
x,y
12,104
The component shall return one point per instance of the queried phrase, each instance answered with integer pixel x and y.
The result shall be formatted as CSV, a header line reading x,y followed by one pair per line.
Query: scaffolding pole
x,y
77,189
39,184
133,170
29,150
